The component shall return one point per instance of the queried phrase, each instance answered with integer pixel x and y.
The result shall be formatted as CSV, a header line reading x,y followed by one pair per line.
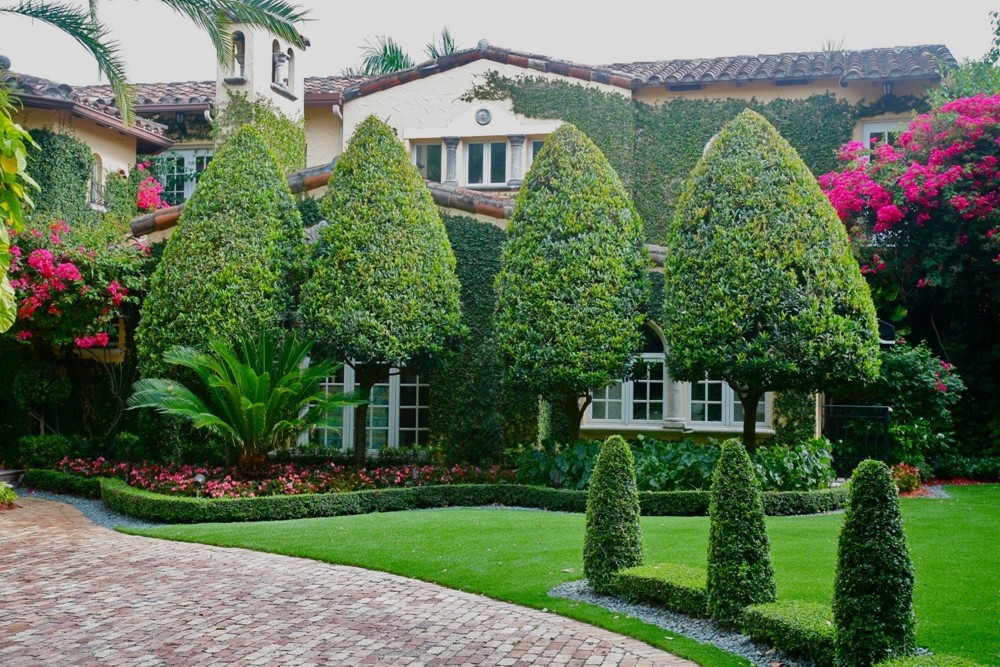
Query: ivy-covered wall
x,y
472,413
654,148
61,165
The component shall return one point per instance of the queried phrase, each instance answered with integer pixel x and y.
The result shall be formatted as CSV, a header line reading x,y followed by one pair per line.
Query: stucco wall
x,y
257,71
431,108
116,149
324,135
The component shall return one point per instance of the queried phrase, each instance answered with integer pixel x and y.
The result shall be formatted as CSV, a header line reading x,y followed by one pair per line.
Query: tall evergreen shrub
x,y
613,539
573,281
383,291
873,586
224,270
739,554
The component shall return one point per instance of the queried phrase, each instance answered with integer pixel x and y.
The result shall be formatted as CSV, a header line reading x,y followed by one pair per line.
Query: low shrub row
x,y
175,509
796,628
985,469
61,482
679,465
677,587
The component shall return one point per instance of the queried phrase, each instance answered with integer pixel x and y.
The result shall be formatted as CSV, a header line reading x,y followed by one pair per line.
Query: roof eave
x,y
143,137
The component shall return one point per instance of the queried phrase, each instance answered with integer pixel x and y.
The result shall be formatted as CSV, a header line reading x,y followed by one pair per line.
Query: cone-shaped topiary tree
x,y
873,586
223,270
613,538
383,291
762,290
574,276
739,554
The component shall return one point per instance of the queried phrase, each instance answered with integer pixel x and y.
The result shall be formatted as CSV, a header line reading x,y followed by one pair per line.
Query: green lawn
x,y
518,555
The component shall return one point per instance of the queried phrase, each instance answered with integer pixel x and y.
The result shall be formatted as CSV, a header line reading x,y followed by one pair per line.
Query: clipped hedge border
x,y
794,627
179,509
677,587
57,481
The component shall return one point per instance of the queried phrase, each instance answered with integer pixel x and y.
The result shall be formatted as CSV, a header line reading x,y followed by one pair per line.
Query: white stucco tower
x,y
263,67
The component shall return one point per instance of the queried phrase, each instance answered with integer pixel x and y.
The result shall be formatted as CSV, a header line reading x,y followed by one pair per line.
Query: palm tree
x,y
386,55
258,397
278,17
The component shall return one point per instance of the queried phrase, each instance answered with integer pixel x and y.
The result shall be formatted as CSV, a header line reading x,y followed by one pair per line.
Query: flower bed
x,y
279,479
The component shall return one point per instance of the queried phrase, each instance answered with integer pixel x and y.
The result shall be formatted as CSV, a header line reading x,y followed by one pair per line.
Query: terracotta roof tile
x,y
39,87
320,85
889,63
175,92
485,51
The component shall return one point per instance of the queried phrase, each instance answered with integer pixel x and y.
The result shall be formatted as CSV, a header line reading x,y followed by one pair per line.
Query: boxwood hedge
x,y
794,627
677,587
175,509
61,482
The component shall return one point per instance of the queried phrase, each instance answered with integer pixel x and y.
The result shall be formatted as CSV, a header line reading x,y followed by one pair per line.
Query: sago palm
x,y
258,396
277,17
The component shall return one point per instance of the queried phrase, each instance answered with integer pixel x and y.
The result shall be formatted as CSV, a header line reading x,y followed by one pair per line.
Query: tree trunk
x,y
574,415
749,400
365,378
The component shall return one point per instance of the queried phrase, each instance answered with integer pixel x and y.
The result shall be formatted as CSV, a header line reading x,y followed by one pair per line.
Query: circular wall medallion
x,y
483,116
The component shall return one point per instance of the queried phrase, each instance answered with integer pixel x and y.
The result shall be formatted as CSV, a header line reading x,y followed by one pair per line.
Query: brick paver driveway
x,y
72,593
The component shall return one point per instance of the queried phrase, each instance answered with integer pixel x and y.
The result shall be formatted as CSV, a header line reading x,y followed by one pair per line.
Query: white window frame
x,y
418,145
881,127
729,400
393,425
628,398
488,147
191,172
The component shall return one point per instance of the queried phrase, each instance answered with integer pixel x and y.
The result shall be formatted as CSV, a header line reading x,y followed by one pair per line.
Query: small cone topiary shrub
x,y
873,587
613,539
739,554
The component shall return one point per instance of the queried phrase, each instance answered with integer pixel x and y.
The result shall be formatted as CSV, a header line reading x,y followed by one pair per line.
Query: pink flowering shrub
x,y
148,197
70,286
280,479
923,214
926,206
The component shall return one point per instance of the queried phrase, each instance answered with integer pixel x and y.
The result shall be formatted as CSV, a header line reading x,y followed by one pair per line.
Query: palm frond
x,y
259,394
91,35
447,46
383,57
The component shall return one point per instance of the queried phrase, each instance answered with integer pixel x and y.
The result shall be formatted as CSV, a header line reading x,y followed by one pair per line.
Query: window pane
x,y
714,412
656,411
434,163
697,412
498,162
476,163
715,391
615,410
536,145
598,410
407,418
615,391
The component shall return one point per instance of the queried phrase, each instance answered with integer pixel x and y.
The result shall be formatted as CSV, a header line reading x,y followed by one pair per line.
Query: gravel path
x,y
699,629
93,509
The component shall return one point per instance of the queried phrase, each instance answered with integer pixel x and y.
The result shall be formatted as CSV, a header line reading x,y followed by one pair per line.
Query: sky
x,y
159,45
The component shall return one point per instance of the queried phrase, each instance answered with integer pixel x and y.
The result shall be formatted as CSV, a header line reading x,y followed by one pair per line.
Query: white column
x,y
451,160
516,160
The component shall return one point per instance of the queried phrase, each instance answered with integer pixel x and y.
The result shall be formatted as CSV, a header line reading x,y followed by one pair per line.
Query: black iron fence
x,y
858,432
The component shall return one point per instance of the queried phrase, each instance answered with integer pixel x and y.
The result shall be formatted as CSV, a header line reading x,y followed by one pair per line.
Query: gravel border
x,y
699,629
93,509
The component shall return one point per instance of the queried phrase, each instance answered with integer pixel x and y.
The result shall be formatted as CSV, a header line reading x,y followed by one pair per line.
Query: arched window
x,y
278,59
239,54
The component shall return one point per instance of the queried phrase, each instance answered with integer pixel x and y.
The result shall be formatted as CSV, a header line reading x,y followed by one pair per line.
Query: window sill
x,y
284,92
235,80
659,427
